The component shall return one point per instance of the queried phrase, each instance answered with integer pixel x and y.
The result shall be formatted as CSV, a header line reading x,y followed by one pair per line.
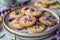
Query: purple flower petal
x,y
46,18
16,12
32,10
11,19
30,19
25,19
26,8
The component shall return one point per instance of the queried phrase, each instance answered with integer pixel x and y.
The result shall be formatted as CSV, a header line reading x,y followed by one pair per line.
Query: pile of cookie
x,y
34,20
51,4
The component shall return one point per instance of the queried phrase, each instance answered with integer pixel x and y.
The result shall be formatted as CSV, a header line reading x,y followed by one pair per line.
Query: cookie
x,y
15,24
15,14
39,5
53,6
31,11
36,28
27,21
48,2
0,19
46,21
46,13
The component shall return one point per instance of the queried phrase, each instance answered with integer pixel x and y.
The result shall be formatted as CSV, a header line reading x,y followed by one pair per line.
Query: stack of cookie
x,y
34,20
46,4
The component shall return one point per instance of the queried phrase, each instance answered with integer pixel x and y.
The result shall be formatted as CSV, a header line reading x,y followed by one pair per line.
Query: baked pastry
x,y
37,28
15,24
15,14
53,7
0,19
48,2
27,21
46,21
39,4
31,11
46,13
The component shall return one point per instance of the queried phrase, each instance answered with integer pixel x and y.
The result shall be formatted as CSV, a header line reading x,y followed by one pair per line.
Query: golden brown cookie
x,y
15,24
27,21
15,14
53,6
36,28
45,20
31,11
48,2
47,13
39,5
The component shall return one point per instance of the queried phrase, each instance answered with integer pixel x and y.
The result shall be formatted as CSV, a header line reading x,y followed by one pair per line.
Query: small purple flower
x,y
58,33
39,2
32,10
30,19
25,19
46,18
16,12
55,24
54,38
26,8
11,19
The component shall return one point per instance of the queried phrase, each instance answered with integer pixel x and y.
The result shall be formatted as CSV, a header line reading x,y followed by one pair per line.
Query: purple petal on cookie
x,y
11,19
26,8
25,19
33,10
30,19
55,23
16,12
46,18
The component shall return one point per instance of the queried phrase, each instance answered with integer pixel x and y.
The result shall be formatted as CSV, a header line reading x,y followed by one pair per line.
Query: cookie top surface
x,y
27,20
